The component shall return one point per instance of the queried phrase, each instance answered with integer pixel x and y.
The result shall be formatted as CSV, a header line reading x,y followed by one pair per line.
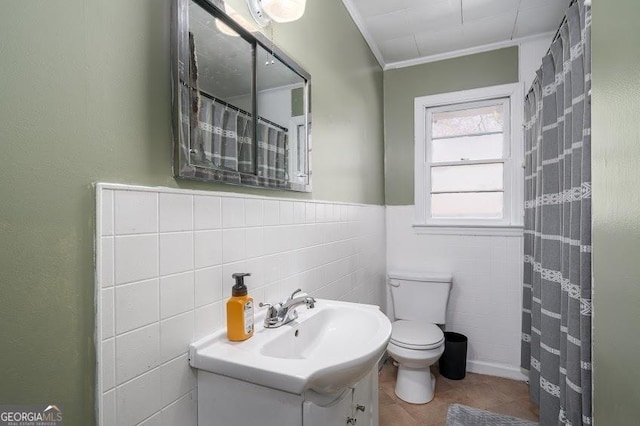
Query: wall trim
x,y
502,231
166,189
495,369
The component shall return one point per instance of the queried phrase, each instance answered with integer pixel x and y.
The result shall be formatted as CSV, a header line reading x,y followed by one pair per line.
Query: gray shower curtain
x,y
272,151
245,145
216,135
556,320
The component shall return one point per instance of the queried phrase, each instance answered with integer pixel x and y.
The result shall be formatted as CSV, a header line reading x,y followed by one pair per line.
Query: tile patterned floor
x,y
494,394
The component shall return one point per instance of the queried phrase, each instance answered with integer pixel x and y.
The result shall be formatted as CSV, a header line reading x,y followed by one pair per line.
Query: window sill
x,y
486,230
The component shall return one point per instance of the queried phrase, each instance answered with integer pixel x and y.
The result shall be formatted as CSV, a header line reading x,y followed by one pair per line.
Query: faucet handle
x,y
272,311
294,293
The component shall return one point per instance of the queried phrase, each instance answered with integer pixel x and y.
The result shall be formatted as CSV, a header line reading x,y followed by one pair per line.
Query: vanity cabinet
x,y
231,402
356,406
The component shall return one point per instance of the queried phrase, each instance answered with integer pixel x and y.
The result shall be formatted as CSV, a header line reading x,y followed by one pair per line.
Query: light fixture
x,y
263,11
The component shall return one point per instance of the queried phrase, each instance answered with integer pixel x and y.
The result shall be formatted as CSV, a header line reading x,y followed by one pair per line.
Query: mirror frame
x,y
180,93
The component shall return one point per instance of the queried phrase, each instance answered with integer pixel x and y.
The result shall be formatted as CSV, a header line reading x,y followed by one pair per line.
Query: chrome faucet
x,y
285,312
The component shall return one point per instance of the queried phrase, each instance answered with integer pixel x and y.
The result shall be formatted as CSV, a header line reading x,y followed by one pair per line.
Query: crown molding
x,y
465,52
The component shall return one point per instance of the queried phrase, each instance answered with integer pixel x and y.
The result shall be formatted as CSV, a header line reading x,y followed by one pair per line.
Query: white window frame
x,y
300,173
296,174
512,222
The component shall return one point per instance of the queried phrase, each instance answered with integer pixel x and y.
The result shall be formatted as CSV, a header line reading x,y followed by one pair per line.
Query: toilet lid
x,y
416,335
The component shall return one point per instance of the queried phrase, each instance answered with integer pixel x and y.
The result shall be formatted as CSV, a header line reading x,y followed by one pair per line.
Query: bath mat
x,y
461,415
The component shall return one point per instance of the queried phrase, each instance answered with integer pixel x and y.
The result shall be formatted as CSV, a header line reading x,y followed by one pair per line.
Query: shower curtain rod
x,y
241,111
557,34
223,103
235,108
587,3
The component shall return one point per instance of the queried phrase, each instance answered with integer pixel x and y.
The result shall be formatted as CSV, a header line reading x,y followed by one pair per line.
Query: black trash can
x,y
453,362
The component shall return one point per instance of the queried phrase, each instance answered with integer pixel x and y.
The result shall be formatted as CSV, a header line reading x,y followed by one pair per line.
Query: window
x,y
300,150
468,159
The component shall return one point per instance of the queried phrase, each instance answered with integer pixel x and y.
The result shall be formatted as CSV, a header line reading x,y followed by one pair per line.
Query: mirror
x,y
224,75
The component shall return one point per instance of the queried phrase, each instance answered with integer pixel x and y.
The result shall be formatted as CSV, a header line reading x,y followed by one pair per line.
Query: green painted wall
x,y
86,98
402,85
616,211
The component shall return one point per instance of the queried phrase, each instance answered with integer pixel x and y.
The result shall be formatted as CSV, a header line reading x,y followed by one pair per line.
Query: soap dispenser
x,y
239,311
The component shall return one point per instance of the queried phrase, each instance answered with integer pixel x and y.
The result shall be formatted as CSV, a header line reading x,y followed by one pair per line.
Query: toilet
x,y
417,341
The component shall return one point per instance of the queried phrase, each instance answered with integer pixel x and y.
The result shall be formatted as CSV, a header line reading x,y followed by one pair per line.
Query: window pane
x,y
477,177
481,205
468,121
300,148
483,147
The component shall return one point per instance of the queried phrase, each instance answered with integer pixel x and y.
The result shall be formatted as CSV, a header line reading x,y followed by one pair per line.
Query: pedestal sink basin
x,y
327,349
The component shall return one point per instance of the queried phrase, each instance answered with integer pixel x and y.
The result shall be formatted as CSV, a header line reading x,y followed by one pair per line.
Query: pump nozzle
x,y
240,275
239,289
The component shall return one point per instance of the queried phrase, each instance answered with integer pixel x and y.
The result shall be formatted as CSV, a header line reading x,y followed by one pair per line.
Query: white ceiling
x,y
402,32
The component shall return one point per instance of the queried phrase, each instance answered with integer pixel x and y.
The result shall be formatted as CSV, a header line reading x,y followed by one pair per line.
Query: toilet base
x,y
415,385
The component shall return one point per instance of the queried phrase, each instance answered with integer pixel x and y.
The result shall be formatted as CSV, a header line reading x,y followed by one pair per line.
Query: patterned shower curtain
x,y
218,129
556,325
221,137
272,151
245,145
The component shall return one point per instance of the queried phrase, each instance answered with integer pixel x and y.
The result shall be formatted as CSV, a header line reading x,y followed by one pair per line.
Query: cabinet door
x,y
355,406
365,403
230,402
337,413
363,406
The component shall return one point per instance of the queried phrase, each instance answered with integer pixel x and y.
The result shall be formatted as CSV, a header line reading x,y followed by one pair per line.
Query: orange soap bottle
x,y
239,311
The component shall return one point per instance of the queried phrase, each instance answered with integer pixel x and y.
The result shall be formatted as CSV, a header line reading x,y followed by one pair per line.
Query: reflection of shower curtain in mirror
x,y
221,134
245,145
218,129
223,140
272,149
281,166
229,139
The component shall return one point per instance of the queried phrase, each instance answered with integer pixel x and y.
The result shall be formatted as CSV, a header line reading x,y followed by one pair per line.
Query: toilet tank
x,y
420,296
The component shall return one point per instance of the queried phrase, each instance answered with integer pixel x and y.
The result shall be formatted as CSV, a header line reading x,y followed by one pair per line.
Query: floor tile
x,y
394,415
490,393
522,409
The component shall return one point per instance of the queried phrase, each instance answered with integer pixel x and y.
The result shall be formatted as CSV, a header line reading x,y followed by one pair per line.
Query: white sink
x,y
327,349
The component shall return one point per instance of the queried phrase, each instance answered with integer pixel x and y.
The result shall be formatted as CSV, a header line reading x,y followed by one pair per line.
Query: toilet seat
x,y
416,335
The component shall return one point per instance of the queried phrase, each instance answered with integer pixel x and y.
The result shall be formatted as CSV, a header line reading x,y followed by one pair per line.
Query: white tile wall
x,y
485,299
176,252
138,399
176,212
135,212
208,212
133,309
136,257
164,264
137,352
177,294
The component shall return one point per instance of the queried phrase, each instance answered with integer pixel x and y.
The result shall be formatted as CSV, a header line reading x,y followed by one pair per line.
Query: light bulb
x,y
284,10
